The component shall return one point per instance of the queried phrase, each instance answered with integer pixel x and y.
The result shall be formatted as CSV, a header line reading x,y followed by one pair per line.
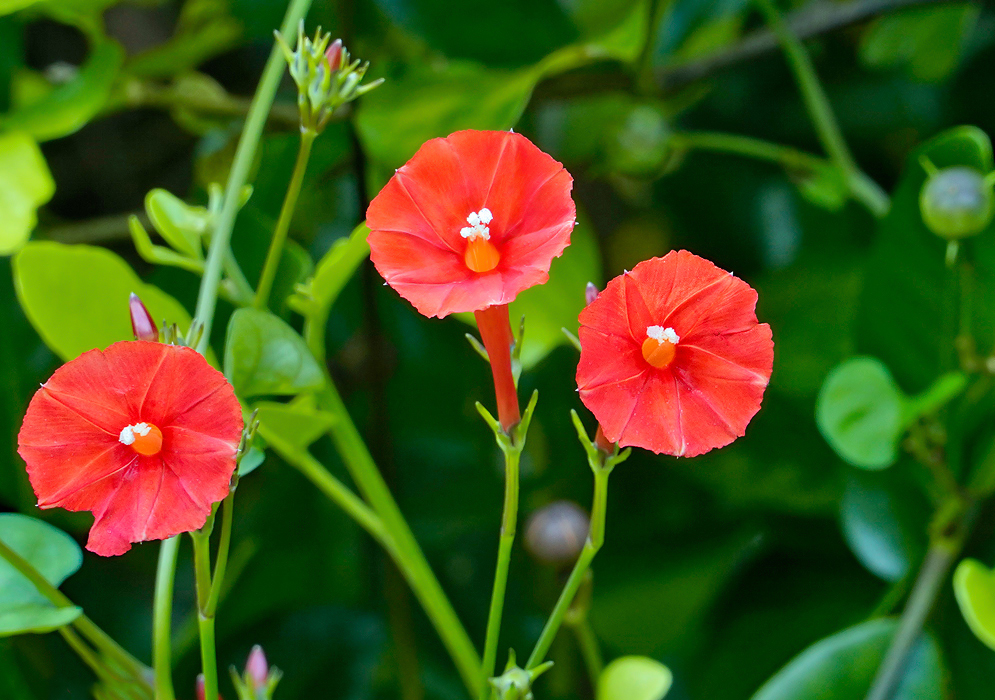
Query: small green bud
x,y
326,78
957,202
516,683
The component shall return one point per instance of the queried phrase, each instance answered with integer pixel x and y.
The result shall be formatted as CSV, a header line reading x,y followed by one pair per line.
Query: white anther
x,y
127,436
661,334
478,228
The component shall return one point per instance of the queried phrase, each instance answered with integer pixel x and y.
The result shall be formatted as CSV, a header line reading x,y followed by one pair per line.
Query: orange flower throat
x,y
660,346
481,255
143,438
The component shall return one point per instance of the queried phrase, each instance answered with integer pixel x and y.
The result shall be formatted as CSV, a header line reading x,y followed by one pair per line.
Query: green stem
x,y
932,575
283,223
645,78
827,128
221,562
815,98
509,523
589,649
85,625
85,653
408,554
595,539
244,154
205,621
790,158
162,619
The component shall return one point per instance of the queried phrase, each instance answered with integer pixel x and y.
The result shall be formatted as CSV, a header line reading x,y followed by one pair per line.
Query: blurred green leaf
x,y
860,413
826,187
512,32
634,678
8,6
68,108
25,184
76,296
35,617
205,28
430,101
555,305
842,667
884,518
263,355
974,587
926,41
298,423
52,552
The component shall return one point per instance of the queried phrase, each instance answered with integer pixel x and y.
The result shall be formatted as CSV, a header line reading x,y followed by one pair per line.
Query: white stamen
x,y
478,228
661,334
127,436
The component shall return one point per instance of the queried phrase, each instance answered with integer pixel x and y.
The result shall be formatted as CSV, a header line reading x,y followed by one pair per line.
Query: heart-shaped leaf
x,y
860,413
974,586
843,666
52,552
634,678
263,355
76,296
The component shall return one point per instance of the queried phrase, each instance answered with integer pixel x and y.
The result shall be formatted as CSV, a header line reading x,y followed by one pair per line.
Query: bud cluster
x,y
258,680
326,76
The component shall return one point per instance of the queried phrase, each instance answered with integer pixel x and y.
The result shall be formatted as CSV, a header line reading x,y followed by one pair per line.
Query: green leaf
x,y
68,108
52,552
35,617
263,355
860,413
25,184
825,187
298,423
925,41
842,667
974,587
634,678
555,305
180,224
76,296
884,518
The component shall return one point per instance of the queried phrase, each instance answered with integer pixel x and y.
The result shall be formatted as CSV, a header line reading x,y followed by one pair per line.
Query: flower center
x,y
481,255
144,438
660,346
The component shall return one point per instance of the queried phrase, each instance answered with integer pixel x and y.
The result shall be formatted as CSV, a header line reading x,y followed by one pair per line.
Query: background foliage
x,y
724,567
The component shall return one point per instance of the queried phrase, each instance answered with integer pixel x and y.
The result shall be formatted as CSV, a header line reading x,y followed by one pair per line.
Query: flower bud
x,y
590,292
256,667
956,203
556,533
142,324
200,686
334,55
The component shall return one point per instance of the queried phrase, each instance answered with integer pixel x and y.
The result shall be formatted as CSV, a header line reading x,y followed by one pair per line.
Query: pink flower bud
x,y
256,666
142,324
591,293
334,55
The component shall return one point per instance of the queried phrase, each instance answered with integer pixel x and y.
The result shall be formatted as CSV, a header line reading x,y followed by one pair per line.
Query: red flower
x,y
673,359
470,221
142,434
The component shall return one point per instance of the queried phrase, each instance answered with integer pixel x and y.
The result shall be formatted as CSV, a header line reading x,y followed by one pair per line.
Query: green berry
x,y
956,203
